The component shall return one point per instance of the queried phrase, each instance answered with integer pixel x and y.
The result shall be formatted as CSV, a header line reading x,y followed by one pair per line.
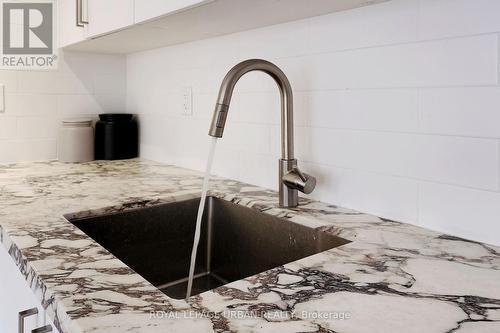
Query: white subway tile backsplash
x,y
261,107
282,40
469,213
155,152
73,84
470,111
109,84
468,162
8,128
27,150
208,52
227,163
78,73
203,105
449,18
389,153
253,138
385,23
31,105
9,80
37,128
38,82
187,139
81,64
78,105
158,129
38,150
396,108
202,79
255,170
384,110
37,100
297,72
8,152
301,108
148,101
392,197
54,82
453,62
112,102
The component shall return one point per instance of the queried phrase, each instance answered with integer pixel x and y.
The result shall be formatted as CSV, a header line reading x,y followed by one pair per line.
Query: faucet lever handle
x,y
298,180
302,176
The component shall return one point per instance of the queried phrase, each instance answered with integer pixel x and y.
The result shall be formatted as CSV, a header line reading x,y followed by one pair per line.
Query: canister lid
x,y
77,122
116,117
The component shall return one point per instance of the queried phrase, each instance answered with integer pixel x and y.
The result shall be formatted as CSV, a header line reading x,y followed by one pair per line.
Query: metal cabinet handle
x,y
44,329
24,314
80,20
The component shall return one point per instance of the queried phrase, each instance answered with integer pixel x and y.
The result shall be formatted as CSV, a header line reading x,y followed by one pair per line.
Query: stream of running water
x,y
211,152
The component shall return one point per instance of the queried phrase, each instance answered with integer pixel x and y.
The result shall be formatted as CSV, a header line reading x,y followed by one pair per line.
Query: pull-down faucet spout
x,y
291,178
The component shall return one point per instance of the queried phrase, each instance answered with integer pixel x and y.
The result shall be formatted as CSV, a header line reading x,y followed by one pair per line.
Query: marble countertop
x,y
392,277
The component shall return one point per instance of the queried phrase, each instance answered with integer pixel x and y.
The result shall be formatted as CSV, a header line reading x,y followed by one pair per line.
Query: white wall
x,y
397,109
36,101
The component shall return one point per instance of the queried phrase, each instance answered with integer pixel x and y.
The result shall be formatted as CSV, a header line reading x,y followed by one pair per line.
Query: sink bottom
x,y
201,283
236,242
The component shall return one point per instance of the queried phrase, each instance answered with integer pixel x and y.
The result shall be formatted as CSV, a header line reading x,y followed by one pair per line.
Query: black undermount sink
x,y
236,242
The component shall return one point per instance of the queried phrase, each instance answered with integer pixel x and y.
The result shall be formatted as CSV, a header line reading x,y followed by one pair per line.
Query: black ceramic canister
x,y
116,136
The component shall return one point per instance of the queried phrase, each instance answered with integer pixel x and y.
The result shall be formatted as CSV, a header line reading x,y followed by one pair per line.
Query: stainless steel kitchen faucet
x,y
291,178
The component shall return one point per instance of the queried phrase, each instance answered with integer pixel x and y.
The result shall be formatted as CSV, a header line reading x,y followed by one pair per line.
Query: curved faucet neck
x,y
286,96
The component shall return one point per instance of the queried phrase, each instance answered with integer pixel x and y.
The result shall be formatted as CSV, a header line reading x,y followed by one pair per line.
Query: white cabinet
x,y
105,16
150,9
127,26
79,20
69,32
16,296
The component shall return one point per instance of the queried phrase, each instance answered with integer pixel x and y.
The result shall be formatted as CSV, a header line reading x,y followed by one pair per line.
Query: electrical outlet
x,y
187,101
2,98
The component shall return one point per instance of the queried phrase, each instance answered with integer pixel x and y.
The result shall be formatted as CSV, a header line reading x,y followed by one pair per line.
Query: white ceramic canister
x,y
76,141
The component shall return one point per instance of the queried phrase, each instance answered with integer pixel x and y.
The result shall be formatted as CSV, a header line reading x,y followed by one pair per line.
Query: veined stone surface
x,y
392,277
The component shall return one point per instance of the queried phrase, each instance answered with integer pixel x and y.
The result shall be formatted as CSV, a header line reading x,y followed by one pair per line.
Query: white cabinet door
x,y
68,30
106,16
16,296
149,9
